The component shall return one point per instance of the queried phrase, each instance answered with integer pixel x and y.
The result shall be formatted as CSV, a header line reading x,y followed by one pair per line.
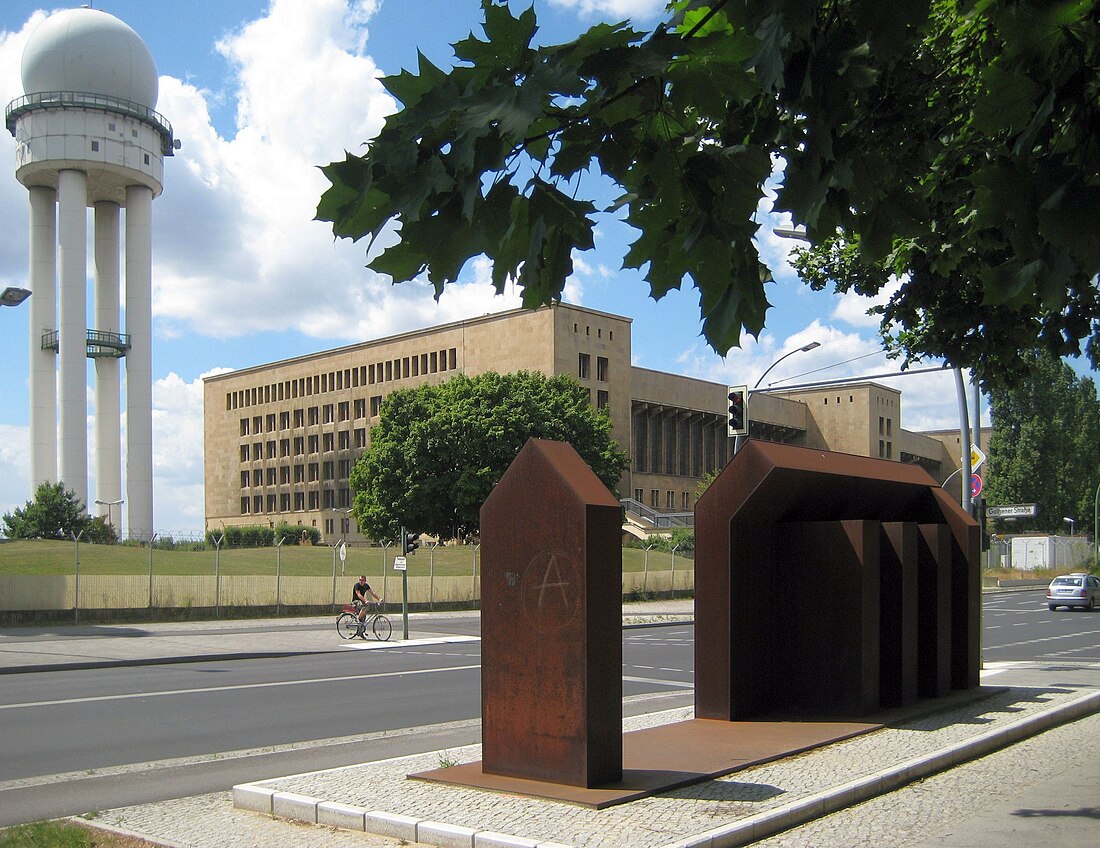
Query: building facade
x,y
281,438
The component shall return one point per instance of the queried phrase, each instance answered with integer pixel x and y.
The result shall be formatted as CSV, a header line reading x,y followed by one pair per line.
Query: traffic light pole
x,y
404,587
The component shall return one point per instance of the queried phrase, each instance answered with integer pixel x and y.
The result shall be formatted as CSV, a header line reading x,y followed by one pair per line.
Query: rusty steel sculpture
x,y
827,586
551,617
830,585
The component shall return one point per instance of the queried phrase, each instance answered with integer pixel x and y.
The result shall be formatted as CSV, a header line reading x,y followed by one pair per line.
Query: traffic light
x,y
737,418
409,543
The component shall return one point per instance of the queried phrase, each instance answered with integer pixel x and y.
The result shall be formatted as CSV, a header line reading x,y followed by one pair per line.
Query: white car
x,y
1074,590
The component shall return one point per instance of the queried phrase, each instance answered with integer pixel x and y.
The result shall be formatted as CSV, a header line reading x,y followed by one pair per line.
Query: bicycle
x,y
348,623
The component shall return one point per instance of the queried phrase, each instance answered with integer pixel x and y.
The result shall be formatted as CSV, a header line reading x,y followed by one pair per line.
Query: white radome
x,y
86,50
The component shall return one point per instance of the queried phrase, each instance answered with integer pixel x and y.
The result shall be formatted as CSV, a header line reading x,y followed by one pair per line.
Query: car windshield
x,y
1067,581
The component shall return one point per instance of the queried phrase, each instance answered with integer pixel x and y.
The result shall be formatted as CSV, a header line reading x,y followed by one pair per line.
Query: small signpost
x,y
399,563
975,485
977,458
1012,511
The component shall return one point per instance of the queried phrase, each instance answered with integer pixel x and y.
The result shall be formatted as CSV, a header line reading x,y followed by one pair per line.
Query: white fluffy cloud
x,y
614,9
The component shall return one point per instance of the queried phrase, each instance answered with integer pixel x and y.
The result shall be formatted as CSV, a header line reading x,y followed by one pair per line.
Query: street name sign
x,y
1012,511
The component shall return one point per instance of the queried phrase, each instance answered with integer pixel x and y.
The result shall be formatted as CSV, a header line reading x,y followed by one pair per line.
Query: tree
x,y
57,513
1045,446
954,142
438,450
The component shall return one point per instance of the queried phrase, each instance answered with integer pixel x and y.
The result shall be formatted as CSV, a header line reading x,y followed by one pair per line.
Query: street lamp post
x,y
109,505
1071,522
738,441
13,296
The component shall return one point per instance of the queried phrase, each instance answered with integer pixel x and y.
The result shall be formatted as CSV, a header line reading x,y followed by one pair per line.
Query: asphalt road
x,y
1018,626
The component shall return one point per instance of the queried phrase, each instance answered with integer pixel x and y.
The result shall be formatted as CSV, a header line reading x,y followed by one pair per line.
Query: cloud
x,y
614,9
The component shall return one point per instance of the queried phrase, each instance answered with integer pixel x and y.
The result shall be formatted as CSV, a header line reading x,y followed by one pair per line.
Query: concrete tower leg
x,y
43,318
108,428
139,361
72,218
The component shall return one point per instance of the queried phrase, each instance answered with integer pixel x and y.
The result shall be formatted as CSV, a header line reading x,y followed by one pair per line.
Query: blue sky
x,y
260,92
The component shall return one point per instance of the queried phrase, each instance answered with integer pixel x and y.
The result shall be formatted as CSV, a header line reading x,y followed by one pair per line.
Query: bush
x,y
292,534
683,540
253,536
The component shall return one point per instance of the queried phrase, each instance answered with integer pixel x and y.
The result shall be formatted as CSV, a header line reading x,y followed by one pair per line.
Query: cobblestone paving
x,y
648,823
929,807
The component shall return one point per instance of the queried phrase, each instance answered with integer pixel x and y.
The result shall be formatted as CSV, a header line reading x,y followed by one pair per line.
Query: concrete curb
x,y
258,798
881,782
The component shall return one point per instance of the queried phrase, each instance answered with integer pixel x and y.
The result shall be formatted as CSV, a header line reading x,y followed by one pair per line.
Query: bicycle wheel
x,y
382,628
347,625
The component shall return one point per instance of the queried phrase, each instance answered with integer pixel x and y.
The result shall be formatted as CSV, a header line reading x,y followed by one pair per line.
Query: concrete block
x,y
491,839
445,835
391,825
291,805
248,796
346,816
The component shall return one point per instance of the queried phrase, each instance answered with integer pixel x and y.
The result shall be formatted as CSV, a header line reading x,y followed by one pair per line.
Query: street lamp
x,y
13,296
802,349
796,233
110,504
1070,522
738,441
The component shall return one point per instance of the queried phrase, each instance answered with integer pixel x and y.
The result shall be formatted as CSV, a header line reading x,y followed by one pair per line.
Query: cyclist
x,y
359,600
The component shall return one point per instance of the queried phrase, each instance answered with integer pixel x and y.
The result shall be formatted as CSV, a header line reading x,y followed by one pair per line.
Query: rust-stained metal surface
x,y
898,629
551,619
934,611
763,625
828,658
661,758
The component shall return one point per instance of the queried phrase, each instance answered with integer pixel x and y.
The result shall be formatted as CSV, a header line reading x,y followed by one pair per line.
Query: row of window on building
x,y
431,362
341,440
584,368
304,472
312,500
670,499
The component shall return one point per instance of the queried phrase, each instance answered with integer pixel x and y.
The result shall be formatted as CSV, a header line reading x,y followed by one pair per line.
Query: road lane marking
x,y
235,687
675,684
1044,639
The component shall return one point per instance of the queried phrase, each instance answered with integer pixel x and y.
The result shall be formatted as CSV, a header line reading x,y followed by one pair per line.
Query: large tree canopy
x,y
438,450
953,142
1045,446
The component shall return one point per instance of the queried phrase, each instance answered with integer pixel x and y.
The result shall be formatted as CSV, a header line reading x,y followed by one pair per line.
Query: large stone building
x,y
281,438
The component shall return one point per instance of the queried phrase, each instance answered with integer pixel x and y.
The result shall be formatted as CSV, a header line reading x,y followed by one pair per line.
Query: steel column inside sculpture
x,y
551,678
830,585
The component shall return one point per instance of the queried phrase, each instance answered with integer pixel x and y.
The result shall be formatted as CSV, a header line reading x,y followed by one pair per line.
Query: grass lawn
x,y
55,557
65,834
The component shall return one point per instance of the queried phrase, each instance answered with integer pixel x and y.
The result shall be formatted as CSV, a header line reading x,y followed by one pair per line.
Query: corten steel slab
x,y
738,523
934,611
826,629
966,594
898,629
551,621
661,758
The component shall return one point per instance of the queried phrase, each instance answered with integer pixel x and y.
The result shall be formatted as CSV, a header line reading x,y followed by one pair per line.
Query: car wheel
x,y
1052,607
